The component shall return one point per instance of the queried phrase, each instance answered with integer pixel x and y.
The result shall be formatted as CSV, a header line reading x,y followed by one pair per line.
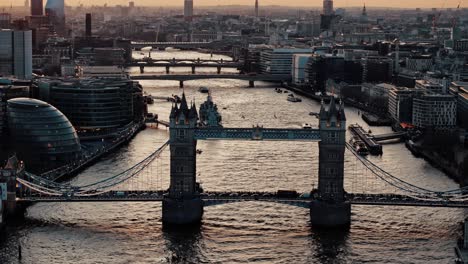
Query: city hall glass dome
x,y
42,136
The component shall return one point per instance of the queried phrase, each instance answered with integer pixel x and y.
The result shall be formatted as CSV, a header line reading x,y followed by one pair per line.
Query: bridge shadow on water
x,y
330,244
184,244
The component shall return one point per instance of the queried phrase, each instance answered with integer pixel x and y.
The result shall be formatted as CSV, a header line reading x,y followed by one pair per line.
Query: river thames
x,y
250,232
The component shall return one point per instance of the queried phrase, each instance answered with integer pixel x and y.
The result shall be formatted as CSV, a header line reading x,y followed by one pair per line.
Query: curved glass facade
x,y
43,137
94,104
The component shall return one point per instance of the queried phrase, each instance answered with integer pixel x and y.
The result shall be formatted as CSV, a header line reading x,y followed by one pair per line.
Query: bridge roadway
x,y
217,198
192,61
175,44
257,133
188,77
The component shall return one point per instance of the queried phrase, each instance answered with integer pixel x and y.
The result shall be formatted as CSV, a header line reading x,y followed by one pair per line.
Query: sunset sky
x,y
312,3
380,3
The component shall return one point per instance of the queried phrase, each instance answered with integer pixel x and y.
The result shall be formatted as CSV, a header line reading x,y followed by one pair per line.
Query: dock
x,y
373,141
374,147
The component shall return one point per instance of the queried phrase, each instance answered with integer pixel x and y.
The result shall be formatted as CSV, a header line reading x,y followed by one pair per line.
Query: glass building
x,y
55,10
94,103
42,136
16,53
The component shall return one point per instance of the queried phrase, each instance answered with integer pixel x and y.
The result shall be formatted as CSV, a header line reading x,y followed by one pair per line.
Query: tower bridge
x,y
185,200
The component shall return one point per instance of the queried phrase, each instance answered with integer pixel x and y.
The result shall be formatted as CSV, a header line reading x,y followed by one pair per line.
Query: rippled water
x,y
244,232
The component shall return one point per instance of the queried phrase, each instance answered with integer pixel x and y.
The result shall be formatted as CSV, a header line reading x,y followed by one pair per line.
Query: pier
x,y
374,147
373,141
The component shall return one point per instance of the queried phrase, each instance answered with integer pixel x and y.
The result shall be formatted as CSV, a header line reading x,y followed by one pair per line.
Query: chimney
x,y
88,25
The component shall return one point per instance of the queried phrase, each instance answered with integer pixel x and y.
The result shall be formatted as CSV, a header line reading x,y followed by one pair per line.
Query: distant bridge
x,y
187,77
177,45
193,64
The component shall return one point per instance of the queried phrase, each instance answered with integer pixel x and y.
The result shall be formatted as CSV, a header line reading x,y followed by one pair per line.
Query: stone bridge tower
x,y
331,209
183,204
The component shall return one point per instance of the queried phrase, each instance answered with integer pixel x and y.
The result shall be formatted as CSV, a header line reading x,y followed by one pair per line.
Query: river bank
x,y
451,168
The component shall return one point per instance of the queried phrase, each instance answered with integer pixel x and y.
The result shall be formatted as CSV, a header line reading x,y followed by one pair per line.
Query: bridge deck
x,y
215,198
257,133
188,77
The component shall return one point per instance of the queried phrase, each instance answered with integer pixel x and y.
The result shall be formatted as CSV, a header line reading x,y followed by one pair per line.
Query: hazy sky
x,y
380,3
312,3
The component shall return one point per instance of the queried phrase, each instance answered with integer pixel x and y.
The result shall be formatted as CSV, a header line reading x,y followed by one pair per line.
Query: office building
x,y
5,20
460,90
400,103
327,16
279,61
94,103
8,92
16,53
37,8
55,11
436,111
430,87
377,69
299,66
188,10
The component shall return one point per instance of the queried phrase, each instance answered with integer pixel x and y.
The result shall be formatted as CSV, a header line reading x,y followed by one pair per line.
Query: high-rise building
x,y
5,20
328,7
256,8
16,53
37,8
438,111
88,25
55,10
188,10
327,15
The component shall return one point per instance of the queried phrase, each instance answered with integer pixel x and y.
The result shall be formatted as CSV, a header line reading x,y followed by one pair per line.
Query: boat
x,y
278,90
314,114
173,99
149,99
292,98
360,147
307,126
203,89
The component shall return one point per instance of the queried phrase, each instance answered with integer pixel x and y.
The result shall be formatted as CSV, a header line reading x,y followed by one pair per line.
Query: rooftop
x,y
28,102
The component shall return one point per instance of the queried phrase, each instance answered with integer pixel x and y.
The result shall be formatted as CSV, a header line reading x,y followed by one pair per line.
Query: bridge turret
x,y
209,115
331,208
183,204
8,189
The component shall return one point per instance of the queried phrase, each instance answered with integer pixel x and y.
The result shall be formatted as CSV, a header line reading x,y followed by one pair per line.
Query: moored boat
x,y
292,98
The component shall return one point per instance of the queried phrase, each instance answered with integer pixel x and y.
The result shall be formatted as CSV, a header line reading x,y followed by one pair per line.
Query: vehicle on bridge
x,y
287,194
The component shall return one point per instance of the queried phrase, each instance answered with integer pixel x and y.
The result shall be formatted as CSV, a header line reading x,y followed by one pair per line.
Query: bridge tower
x,y
331,208
183,204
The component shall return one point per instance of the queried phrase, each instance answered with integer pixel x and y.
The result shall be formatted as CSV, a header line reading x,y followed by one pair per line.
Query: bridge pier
x,y
181,84
182,211
167,69
219,69
193,69
326,214
251,84
142,69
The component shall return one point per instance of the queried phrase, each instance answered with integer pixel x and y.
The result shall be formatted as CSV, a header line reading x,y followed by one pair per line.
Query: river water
x,y
249,232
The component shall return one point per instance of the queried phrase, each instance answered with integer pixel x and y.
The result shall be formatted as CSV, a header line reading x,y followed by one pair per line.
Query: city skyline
x,y
300,3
